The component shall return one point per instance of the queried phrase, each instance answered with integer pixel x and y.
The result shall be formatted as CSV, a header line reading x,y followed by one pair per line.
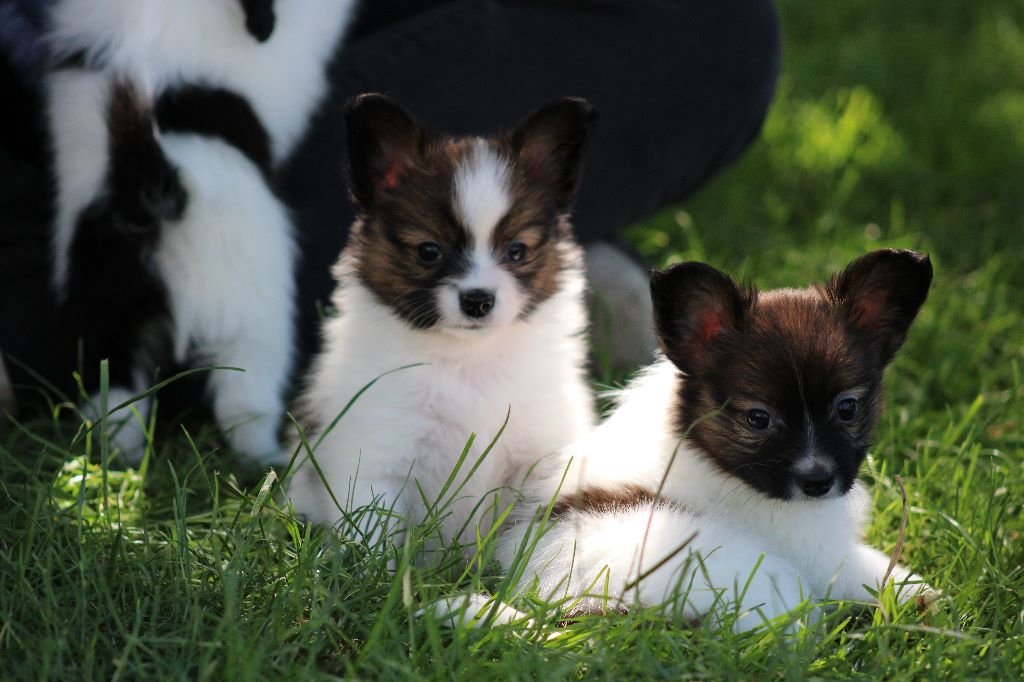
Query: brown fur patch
x,y
603,500
534,219
582,610
417,209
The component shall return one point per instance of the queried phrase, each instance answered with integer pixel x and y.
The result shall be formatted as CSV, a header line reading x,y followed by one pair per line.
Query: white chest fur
x,y
414,423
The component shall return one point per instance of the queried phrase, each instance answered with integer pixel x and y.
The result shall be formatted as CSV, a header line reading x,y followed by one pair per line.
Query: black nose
x,y
476,302
816,484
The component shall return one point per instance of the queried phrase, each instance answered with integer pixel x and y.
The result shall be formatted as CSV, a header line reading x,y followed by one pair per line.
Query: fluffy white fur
x,y
158,44
78,130
231,288
229,263
810,548
214,276
411,426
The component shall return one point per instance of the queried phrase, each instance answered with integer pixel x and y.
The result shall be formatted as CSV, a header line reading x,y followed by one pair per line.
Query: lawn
x,y
896,124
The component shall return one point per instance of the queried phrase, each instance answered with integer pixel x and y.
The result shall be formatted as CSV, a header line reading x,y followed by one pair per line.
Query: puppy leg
x,y
609,560
229,265
473,609
248,405
366,508
864,569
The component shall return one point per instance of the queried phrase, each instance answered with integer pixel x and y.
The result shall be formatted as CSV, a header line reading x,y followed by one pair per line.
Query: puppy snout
x,y
817,482
476,303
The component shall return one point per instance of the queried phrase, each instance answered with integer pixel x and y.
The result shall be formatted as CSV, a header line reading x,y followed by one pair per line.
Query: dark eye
x,y
759,419
428,253
516,252
847,409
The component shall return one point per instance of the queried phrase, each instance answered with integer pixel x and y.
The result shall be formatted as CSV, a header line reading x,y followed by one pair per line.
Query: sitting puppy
x,y
738,451
462,262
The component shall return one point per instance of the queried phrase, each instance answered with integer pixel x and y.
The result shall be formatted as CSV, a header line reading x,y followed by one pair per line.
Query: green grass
x,y
896,124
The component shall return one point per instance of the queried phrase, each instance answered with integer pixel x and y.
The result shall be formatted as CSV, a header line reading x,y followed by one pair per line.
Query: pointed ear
x,y
549,144
694,304
384,141
879,295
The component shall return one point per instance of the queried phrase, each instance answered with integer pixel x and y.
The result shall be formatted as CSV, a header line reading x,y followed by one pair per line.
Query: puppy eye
x,y
429,253
847,409
759,419
516,252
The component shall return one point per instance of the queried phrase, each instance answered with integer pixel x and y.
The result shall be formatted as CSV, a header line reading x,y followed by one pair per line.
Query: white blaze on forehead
x,y
481,192
481,198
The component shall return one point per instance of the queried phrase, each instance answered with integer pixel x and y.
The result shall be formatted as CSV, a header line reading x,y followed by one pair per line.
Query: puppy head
x,y
783,389
463,233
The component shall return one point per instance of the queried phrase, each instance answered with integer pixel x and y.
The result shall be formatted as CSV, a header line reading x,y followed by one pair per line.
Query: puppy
x,y
735,457
170,246
461,262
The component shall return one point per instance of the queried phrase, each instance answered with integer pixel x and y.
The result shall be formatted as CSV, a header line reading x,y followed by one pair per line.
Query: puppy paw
x,y
774,591
256,439
912,588
472,610
926,601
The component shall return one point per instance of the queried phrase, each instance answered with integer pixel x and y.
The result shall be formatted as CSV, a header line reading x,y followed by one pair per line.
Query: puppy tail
x,y
144,186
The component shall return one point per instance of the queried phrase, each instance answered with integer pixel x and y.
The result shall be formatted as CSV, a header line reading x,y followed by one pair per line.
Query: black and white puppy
x,y
170,247
462,259
745,439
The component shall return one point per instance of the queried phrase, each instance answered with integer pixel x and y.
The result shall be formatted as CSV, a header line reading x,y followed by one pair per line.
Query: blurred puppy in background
x,y
170,247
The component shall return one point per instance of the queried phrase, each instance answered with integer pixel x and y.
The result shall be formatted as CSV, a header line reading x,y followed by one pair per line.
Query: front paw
x,y
926,600
909,586
912,589
772,595
475,610
256,440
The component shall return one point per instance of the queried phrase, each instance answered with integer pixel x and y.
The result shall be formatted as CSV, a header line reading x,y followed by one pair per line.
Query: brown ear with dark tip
x,y
880,294
384,142
549,145
694,304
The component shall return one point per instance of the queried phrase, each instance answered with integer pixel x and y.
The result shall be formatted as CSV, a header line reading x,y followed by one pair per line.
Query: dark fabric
x,y
27,312
22,23
682,87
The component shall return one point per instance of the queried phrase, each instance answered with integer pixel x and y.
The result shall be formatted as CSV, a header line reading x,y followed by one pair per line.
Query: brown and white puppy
x,y
745,440
462,261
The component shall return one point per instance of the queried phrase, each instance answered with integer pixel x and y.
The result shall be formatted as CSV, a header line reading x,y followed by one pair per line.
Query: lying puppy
x,y
462,262
733,459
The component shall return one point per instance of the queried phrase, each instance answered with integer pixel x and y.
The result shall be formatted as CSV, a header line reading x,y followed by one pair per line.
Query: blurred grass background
x,y
895,124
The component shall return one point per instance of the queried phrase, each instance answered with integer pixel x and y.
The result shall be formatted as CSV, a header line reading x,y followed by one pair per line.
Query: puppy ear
x,y
549,144
259,18
879,295
384,142
694,305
